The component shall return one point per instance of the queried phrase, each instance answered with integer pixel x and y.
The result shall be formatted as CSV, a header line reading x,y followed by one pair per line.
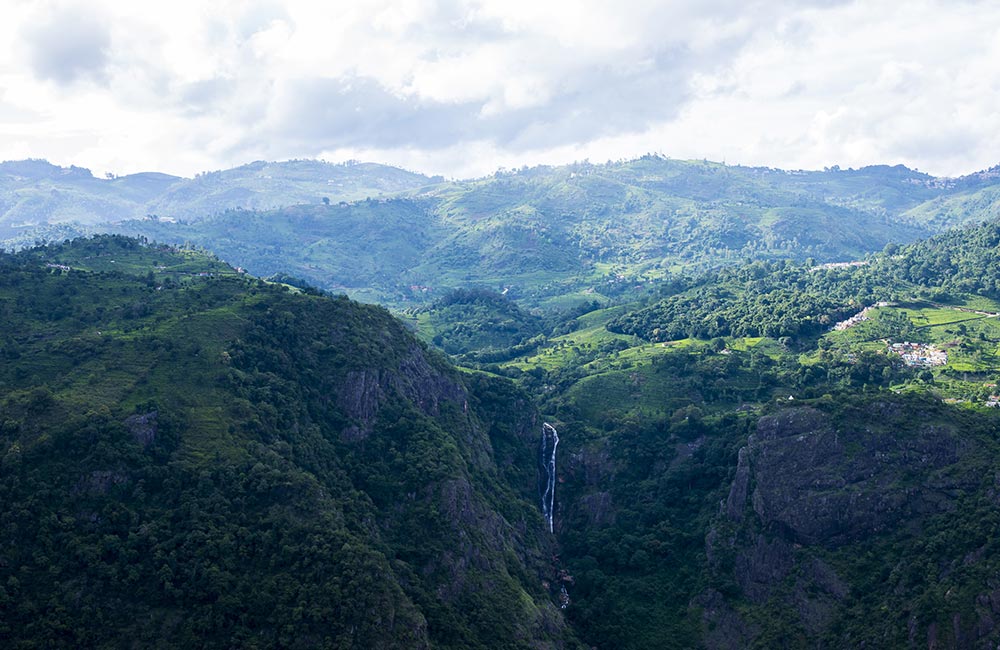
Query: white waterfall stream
x,y
550,440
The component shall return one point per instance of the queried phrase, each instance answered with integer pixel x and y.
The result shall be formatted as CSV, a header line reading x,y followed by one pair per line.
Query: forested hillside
x,y
783,455
552,236
193,457
774,453
549,236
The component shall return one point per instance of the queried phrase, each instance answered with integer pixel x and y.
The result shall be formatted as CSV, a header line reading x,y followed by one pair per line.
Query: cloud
x,y
361,112
461,87
527,78
69,44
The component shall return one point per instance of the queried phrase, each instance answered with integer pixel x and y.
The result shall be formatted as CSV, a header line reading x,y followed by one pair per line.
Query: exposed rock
x,y
457,502
360,396
722,626
593,463
424,385
598,508
143,427
805,480
363,391
736,502
762,567
832,487
987,626
817,593
827,579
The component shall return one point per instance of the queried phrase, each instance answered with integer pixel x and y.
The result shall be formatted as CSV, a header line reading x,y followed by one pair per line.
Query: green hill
x,y
549,235
35,195
480,324
552,236
265,185
737,473
193,457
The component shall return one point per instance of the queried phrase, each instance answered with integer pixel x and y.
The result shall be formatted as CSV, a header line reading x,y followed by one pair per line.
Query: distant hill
x,y
265,186
970,199
35,192
38,193
549,236
555,236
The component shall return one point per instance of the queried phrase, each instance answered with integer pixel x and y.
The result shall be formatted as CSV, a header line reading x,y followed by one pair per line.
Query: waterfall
x,y
550,438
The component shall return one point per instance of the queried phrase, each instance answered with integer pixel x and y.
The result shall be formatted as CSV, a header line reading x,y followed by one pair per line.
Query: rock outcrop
x,y
810,485
824,485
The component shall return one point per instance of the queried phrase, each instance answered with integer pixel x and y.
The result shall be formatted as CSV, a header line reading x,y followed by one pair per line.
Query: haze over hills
x,y
551,236
35,192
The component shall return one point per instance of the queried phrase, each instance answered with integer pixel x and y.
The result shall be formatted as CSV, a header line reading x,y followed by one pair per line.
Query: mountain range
x,y
36,192
551,236
645,404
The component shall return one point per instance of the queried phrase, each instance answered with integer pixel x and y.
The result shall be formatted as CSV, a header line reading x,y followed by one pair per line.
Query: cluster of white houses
x,y
858,317
919,354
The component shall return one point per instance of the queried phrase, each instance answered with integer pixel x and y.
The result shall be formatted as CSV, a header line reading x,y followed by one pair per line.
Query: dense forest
x,y
769,454
781,299
195,457
735,388
548,236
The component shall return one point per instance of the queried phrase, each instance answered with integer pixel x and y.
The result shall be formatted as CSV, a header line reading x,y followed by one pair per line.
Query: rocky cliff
x,y
822,497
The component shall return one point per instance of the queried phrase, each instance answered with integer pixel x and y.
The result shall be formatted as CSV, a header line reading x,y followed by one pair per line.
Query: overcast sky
x,y
462,88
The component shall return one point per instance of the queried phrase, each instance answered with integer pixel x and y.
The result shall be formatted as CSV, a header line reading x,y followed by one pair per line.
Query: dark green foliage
x,y
482,325
773,299
959,261
214,461
782,299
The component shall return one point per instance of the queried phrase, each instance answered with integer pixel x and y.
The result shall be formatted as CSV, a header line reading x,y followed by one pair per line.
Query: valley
x,y
658,445
499,325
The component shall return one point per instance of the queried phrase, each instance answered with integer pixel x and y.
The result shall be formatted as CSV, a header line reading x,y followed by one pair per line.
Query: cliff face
x,y
445,461
819,498
825,486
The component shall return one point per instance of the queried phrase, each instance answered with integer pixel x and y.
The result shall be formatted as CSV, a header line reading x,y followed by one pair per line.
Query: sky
x,y
465,88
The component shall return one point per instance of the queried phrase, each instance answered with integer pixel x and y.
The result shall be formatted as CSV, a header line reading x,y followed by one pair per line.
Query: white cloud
x,y
461,88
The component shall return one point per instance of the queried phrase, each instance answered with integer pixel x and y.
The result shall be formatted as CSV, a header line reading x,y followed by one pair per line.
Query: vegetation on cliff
x,y
191,456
